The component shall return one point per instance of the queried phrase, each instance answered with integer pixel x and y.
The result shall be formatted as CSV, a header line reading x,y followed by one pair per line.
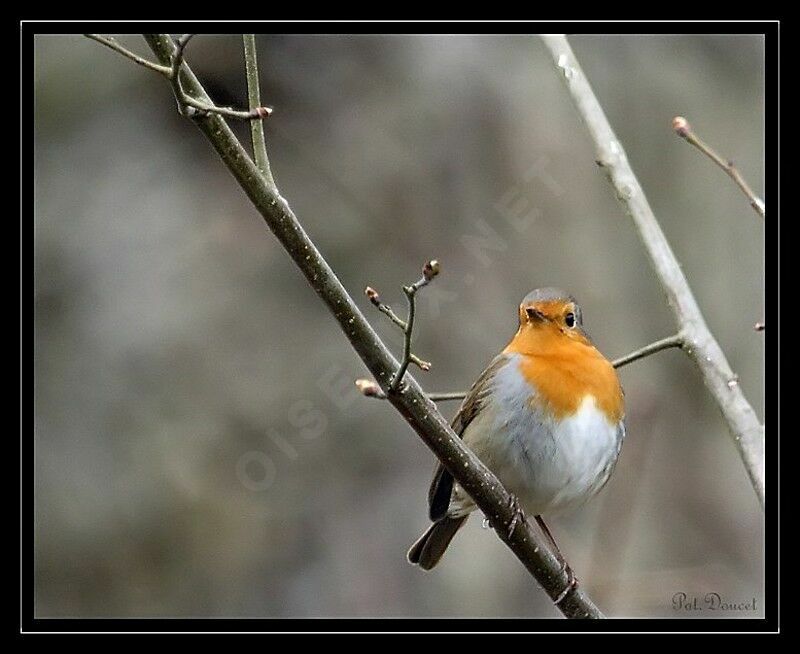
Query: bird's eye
x,y
569,319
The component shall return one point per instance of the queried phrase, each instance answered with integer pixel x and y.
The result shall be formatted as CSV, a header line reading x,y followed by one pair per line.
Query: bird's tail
x,y
429,547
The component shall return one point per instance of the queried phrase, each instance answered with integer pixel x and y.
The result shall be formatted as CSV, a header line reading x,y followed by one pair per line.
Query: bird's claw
x,y
518,516
572,582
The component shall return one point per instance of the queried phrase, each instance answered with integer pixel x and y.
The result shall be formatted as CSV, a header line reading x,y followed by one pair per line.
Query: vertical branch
x,y
429,271
699,343
254,101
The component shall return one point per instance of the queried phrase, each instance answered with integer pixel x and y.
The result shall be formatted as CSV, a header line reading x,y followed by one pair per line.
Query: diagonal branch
x,y
385,309
684,130
187,105
417,409
116,46
745,429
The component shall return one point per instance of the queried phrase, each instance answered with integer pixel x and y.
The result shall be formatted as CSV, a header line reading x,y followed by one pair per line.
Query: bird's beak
x,y
534,315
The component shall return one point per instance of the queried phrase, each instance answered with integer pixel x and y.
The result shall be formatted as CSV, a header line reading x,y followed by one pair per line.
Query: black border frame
x,y
770,624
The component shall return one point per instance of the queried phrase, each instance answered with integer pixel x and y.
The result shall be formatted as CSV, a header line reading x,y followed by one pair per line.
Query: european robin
x,y
546,416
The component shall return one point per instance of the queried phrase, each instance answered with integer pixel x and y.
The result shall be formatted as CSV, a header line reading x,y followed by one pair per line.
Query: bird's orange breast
x,y
563,369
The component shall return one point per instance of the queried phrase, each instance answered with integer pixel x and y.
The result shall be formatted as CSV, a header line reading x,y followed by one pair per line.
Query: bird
x,y
546,416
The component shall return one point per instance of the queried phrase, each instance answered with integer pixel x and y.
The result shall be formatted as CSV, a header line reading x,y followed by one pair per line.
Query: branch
x,y
371,389
254,100
664,344
187,105
429,271
684,130
746,430
385,309
177,58
419,411
193,108
112,43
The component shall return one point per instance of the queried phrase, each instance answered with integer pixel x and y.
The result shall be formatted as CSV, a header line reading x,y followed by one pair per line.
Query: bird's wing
x,y
477,398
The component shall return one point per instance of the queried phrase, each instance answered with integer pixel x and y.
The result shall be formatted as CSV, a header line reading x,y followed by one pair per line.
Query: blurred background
x,y
200,449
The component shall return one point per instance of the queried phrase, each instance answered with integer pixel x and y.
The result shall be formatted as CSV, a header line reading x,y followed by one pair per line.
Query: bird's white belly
x,y
549,465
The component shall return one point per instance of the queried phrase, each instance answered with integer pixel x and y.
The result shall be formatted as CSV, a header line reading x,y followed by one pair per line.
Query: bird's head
x,y
550,307
552,314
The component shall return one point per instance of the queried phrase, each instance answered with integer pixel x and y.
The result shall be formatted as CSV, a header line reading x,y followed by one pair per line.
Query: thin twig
x,y
177,59
116,46
407,334
422,365
369,388
254,101
647,350
205,109
419,411
366,387
200,108
684,130
385,309
746,430
172,72
429,271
